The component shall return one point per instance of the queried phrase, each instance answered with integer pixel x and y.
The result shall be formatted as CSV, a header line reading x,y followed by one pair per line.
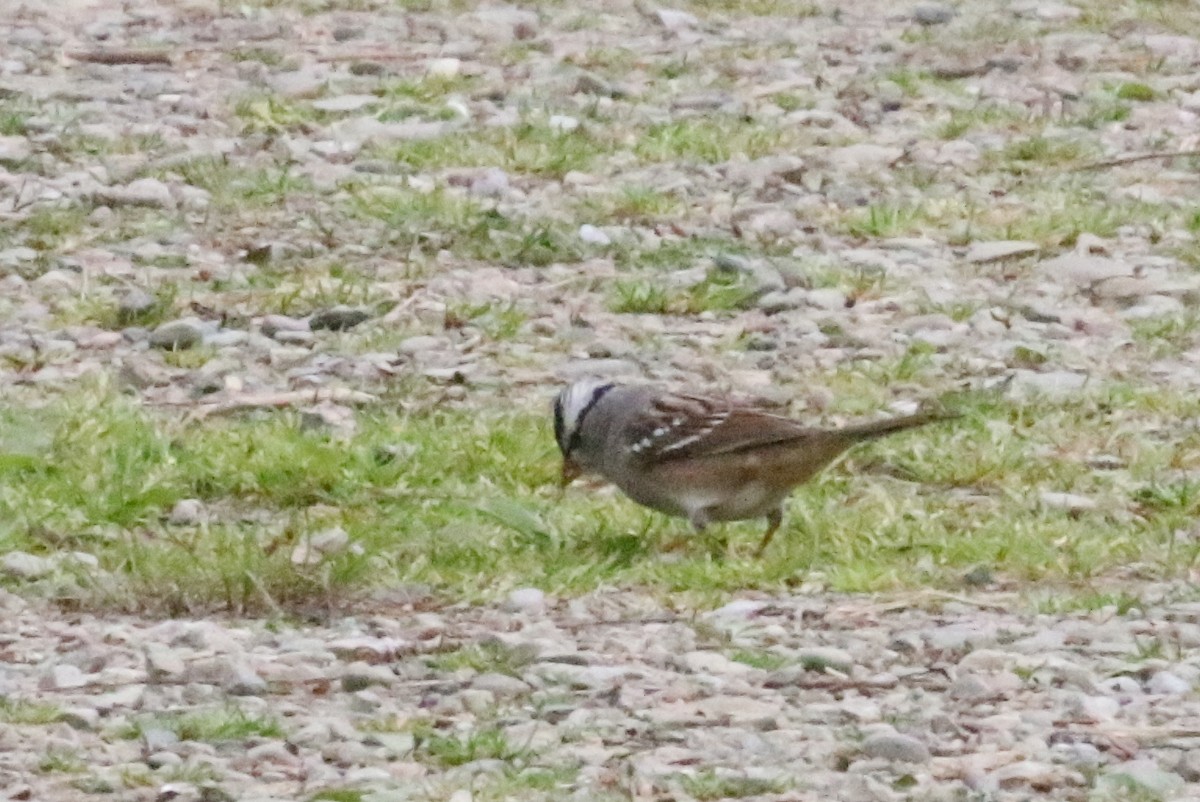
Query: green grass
x,y
23,711
1135,91
759,658
465,503
1123,602
792,9
1024,154
710,785
710,139
885,220
1065,210
531,147
488,742
639,205
1167,336
484,658
719,292
49,228
497,321
217,725
982,116
339,795
61,761
269,114
429,222
264,55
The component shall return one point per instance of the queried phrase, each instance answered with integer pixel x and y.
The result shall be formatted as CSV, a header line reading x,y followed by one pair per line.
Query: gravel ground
x,y
223,180
609,696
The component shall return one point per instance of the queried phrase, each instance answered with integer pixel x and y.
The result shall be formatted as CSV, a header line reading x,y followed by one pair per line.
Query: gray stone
x,y
822,657
1083,270
896,747
187,512
562,123
490,183
477,701
134,303
225,338
1071,502
981,253
159,739
1189,765
739,609
1057,384
507,20
1172,46
272,325
1049,12
368,130
609,368
420,343
358,676
306,83
62,677
163,663
61,281
14,149
130,697
314,548
772,303
969,687
1151,307
593,236
367,648
229,673
674,20
295,337
932,14
1142,774
177,335
502,685
865,157
149,192
1168,684
158,760
530,601
768,223
443,67
344,103
765,277
338,318
23,565
1028,774
589,83
81,717
710,663
396,743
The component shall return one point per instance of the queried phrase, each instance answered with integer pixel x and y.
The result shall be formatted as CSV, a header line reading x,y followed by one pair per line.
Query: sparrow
x,y
707,459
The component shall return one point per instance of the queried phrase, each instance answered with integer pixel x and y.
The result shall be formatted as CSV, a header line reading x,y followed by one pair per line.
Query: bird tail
x,y
860,432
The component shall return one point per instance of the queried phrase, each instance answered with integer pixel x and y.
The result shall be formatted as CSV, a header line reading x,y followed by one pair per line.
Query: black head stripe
x,y
558,423
577,432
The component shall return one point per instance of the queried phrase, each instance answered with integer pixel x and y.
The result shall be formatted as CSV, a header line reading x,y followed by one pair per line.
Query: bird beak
x,y
570,472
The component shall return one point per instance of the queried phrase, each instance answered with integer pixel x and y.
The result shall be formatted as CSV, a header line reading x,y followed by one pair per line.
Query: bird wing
x,y
685,426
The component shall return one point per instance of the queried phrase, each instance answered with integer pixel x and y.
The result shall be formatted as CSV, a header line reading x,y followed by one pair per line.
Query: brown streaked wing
x,y
686,426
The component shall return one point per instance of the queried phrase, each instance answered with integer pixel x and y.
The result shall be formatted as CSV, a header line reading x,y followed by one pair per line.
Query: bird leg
x,y
774,519
718,545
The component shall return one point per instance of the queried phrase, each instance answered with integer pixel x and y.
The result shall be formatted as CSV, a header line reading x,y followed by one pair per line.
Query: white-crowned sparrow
x,y
705,459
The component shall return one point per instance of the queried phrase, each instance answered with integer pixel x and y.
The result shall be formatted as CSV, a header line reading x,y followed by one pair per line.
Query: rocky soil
x,y
609,696
220,204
